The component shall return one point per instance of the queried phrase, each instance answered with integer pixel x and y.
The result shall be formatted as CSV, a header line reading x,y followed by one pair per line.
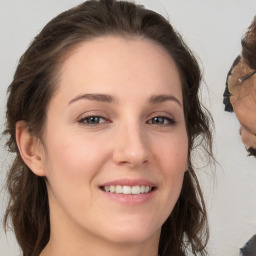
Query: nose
x,y
130,147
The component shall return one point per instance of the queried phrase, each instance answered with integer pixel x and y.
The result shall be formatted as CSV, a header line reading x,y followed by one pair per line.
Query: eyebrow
x,y
154,99
95,97
163,98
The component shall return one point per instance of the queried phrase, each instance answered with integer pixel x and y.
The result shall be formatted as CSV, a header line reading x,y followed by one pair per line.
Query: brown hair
x,y
33,86
249,45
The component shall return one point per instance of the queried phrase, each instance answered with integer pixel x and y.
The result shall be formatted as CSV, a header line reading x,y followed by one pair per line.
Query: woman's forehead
x,y
105,64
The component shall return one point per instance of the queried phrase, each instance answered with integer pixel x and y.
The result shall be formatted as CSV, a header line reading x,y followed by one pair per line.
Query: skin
x,y
248,138
243,100
125,142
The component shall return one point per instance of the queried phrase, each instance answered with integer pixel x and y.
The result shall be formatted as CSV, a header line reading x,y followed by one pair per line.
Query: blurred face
x,y
243,100
116,142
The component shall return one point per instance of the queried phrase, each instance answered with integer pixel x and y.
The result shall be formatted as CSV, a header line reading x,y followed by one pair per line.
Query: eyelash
x,y
84,120
164,120
167,121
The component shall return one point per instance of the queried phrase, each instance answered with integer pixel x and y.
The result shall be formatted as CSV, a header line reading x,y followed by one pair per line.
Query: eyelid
x,y
171,119
98,113
81,119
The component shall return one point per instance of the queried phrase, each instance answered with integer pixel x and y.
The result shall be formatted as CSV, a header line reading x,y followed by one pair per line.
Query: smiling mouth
x,y
127,190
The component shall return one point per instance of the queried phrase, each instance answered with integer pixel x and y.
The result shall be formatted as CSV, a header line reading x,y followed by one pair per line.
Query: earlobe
x,y
30,148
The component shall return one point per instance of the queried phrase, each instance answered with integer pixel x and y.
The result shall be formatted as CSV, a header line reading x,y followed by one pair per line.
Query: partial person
x,y
240,91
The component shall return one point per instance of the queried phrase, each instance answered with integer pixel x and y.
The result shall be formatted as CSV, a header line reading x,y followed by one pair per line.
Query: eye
x,y
92,120
162,120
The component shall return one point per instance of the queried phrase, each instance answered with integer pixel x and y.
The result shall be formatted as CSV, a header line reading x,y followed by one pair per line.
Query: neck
x,y
69,247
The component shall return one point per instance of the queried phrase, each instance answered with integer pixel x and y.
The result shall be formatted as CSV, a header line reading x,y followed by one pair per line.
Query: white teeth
x,y
136,190
112,189
119,189
127,190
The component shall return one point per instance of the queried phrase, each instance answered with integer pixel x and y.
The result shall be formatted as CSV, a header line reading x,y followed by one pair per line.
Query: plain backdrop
x,y
212,29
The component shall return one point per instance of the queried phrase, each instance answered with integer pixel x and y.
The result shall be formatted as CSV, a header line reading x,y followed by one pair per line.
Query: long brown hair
x,y
34,84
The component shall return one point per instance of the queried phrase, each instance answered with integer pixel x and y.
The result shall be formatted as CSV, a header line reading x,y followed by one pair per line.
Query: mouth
x,y
128,190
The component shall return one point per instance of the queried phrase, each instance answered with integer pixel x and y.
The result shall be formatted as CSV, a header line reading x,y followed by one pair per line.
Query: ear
x,y
30,148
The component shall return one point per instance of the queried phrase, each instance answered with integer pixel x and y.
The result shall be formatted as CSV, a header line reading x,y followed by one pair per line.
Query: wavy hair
x,y
34,84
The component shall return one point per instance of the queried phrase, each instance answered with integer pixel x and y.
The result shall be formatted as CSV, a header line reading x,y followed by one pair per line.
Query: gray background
x,y
212,29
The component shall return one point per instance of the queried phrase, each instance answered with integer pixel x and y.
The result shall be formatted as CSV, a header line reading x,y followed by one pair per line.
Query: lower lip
x,y
130,199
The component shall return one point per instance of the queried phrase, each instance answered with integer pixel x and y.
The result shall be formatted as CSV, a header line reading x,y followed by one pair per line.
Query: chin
x,y
132,233
128,237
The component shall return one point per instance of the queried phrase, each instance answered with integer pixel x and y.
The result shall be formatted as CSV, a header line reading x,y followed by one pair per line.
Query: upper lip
x,y
129,182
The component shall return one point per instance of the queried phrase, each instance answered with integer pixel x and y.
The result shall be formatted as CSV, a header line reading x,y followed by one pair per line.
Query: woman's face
x,y
115,123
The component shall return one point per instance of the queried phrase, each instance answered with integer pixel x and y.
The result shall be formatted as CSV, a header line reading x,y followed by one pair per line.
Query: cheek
x,y
175,164
245,139
246,115
174,157
72,164
73,160
232,85
243,105
239,108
